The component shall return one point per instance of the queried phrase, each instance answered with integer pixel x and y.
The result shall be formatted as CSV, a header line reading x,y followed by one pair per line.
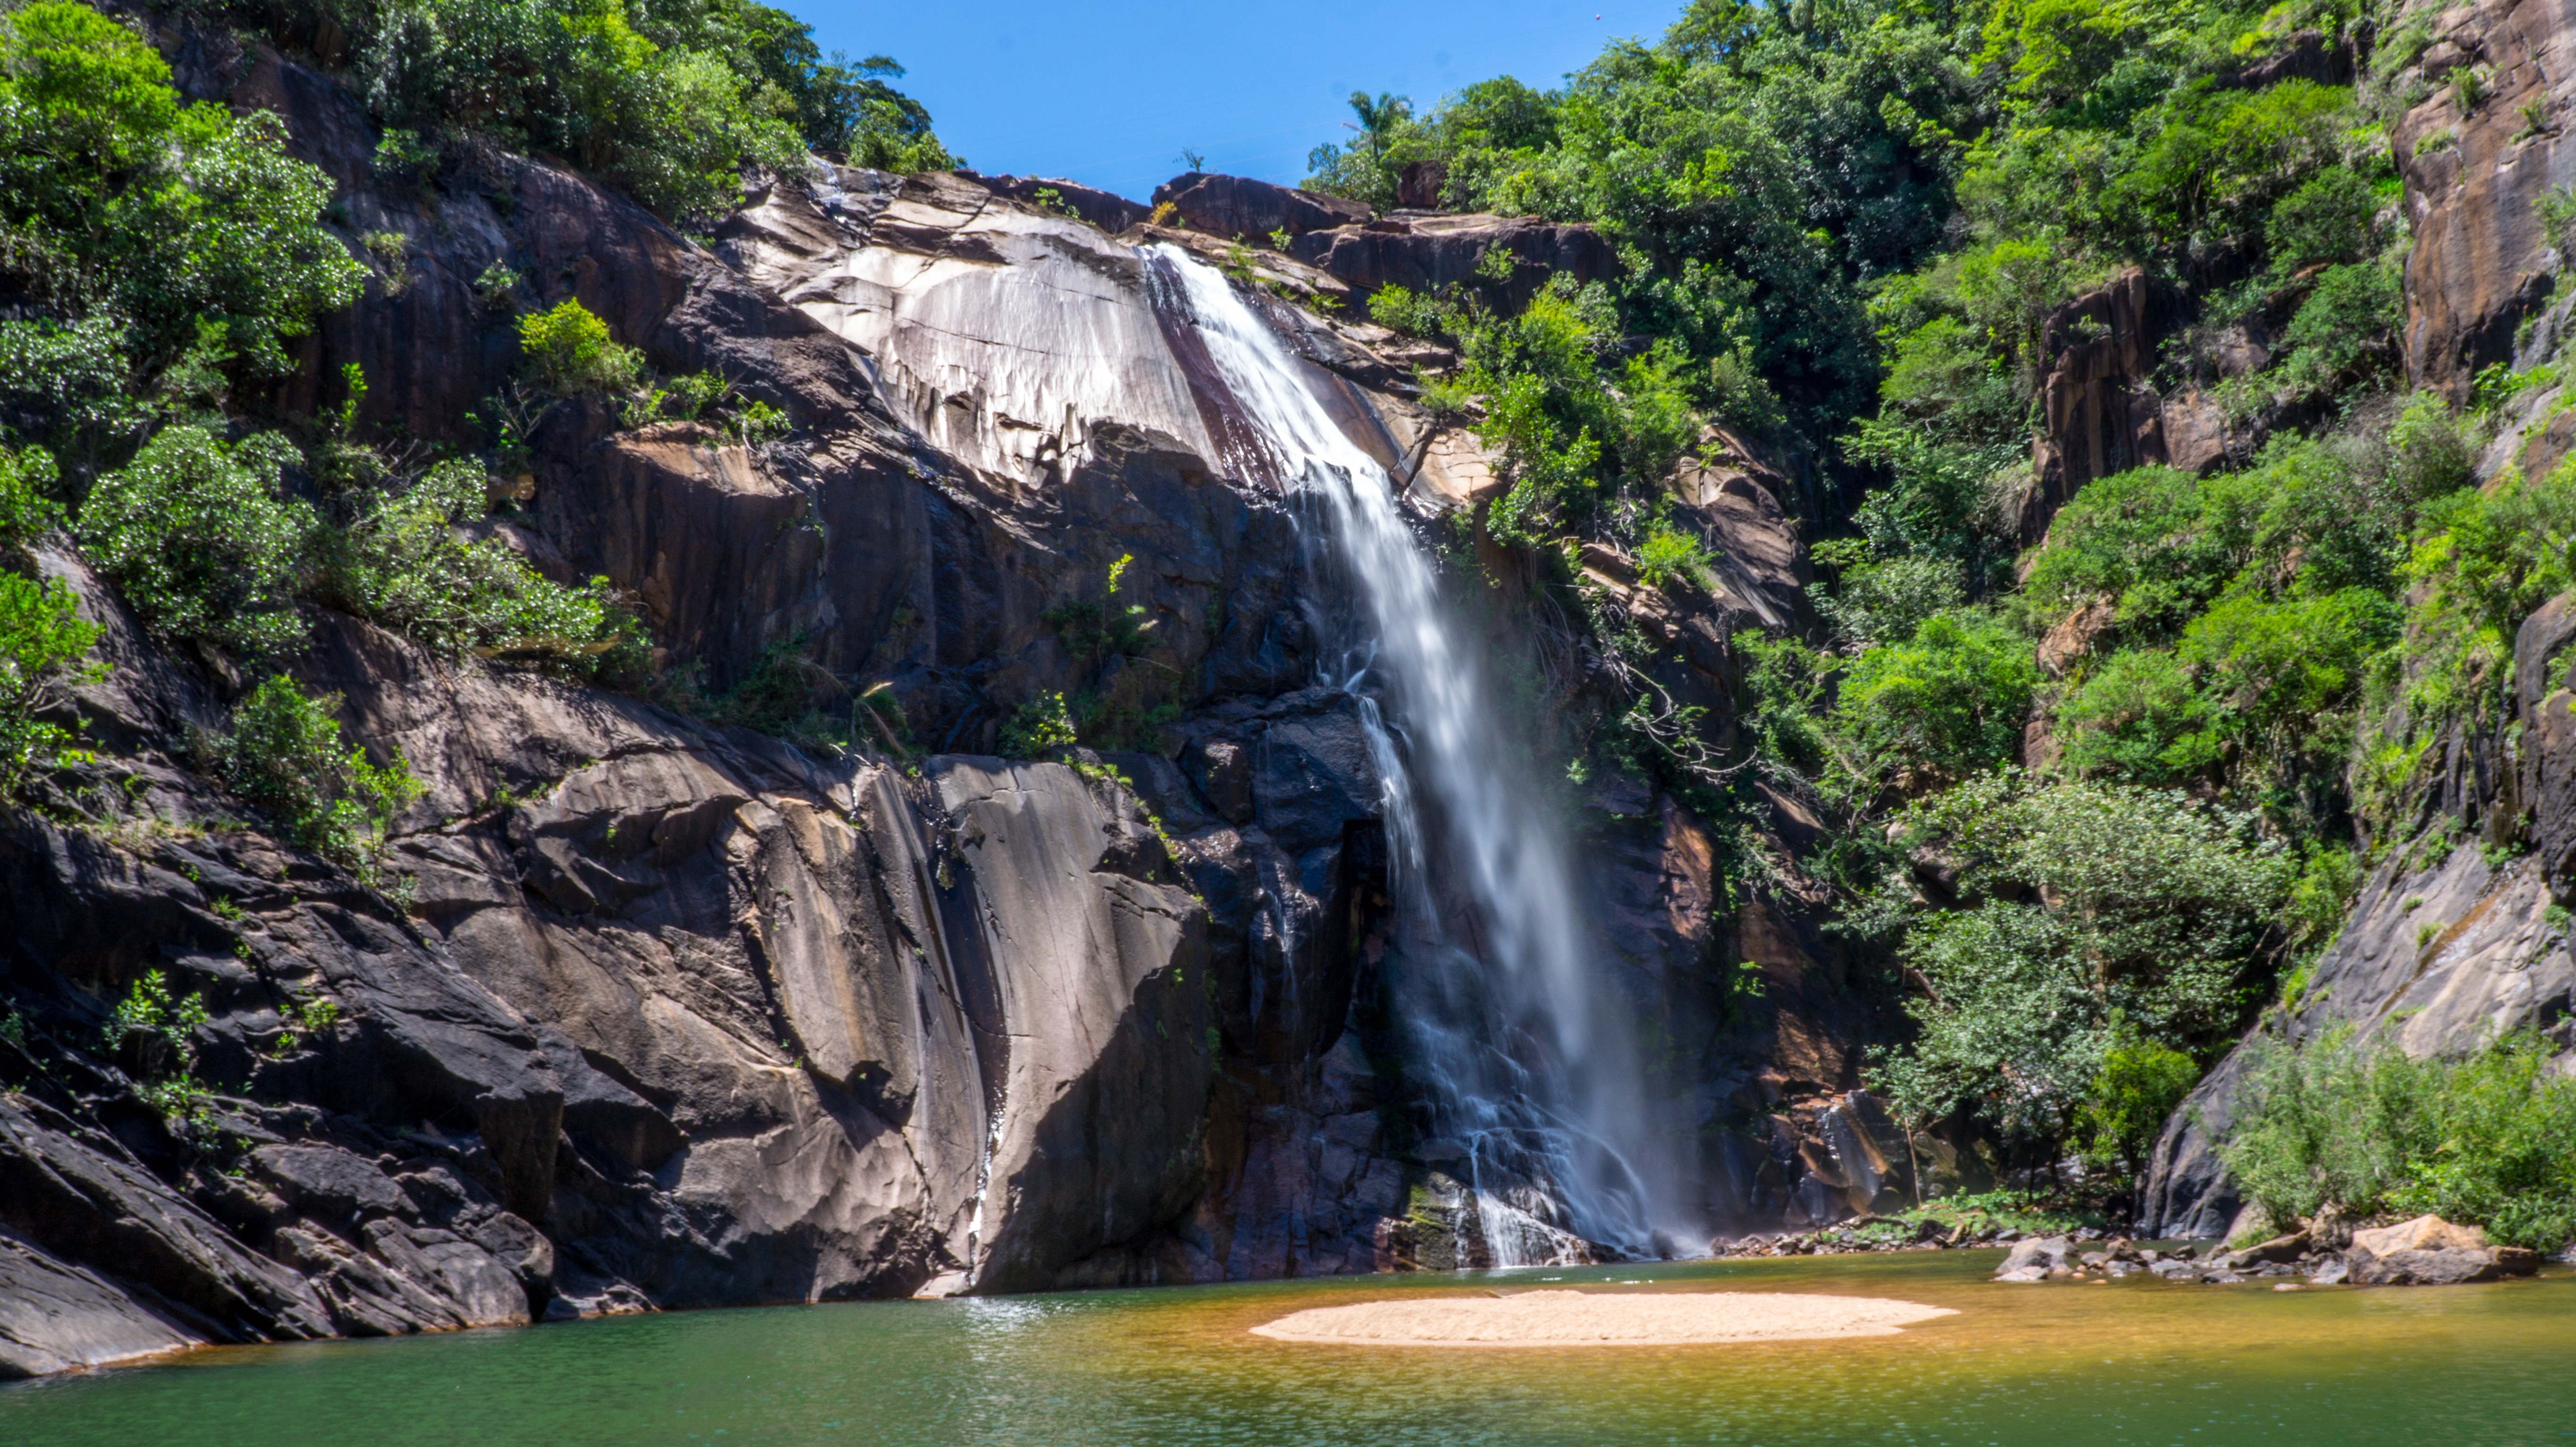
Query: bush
x,y
1039,728
1948,702
2109,917
27,507
196,536
2488,1139
154,1030
284,756
401,564
2346,330
1416,314
140,228
570,352
1670,556
1883,600
2141,1083
2136,720
2328,218
44,645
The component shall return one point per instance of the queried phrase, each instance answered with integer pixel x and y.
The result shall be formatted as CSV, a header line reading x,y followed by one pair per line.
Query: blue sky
x,y
1108,94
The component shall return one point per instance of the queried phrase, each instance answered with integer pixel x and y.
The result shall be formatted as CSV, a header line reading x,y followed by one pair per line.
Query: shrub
x,y
285,756
2109,916
27,507
2141,1083
570,352
402,564
1416,314
154,1030
2328,218
2136,720
2345,331
1039,728
2487,1139
1671,556
1946,703
44,645
196,536
133,220
1883,600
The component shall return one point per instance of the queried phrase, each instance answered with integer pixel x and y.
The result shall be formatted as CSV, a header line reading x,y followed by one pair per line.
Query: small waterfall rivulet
x,y
1526,1048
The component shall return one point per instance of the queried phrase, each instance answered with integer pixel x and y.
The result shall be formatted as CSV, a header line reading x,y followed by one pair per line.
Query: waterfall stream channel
x,y
1526,1049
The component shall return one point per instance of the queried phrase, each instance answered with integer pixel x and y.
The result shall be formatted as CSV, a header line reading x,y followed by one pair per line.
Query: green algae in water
x,y
2138,1361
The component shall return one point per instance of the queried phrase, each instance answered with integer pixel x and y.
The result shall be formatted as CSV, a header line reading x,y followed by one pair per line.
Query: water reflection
x,y
2131,1362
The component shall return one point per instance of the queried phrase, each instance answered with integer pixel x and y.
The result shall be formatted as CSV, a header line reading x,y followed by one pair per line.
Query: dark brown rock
x,y
1239,207
2480,261
1427,253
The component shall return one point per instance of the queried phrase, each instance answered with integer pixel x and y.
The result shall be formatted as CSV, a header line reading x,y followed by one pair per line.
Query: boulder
x,y
2279,1249
1427,253
1237,206
2040,1254
1107,210
2429,1251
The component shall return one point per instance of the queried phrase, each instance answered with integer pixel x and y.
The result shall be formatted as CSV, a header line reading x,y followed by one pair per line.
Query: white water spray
x,y
1527,1046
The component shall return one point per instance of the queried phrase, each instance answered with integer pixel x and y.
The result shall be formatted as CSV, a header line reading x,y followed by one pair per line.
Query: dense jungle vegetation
x,y
161,258
1845,227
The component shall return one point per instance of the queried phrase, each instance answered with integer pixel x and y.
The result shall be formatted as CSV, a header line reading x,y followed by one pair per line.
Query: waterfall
x,y
1528,1051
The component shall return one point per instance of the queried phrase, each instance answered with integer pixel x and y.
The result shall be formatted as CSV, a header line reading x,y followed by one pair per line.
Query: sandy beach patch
x,y
1596,1318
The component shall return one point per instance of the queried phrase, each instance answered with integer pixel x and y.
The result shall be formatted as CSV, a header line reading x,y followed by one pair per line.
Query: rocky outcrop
x,y
2482,261
1107,210
2448,944
2429,1251
2100,409
1243,209
1428,253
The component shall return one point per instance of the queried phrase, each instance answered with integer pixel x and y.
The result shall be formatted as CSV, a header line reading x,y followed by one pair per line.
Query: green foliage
x,y
197,536
155,1030
301,1019
570,352
1039,728
667,101
2345,332
401,563
1883,600
2137,719
1945,703
44,650
284,756
2140,1084
1670,557
27,507
1416,314
140,230
785,693
2489,1139
2329,218
2105,916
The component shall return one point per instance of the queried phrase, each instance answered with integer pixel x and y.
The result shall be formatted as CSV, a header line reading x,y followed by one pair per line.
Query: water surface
x,y
2136,1361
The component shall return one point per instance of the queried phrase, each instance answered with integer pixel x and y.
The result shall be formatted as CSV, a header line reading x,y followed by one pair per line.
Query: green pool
x,y
2136,1361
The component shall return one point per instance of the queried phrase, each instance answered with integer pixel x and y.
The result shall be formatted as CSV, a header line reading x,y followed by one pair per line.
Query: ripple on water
x,y
2130,1362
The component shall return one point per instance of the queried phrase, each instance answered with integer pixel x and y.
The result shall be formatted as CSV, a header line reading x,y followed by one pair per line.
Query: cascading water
x,y
1527,1049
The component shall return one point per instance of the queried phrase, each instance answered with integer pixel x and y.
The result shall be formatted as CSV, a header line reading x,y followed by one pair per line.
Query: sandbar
x,y
1599,1318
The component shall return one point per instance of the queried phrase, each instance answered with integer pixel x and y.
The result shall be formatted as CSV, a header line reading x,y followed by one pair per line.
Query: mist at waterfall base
x,y
1509,1017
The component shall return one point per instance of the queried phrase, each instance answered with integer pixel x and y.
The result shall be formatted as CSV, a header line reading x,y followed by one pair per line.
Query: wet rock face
x,y
2480,262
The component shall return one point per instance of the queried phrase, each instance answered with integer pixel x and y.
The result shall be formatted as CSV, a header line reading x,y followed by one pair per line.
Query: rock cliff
x,y
2460,932
677,1014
